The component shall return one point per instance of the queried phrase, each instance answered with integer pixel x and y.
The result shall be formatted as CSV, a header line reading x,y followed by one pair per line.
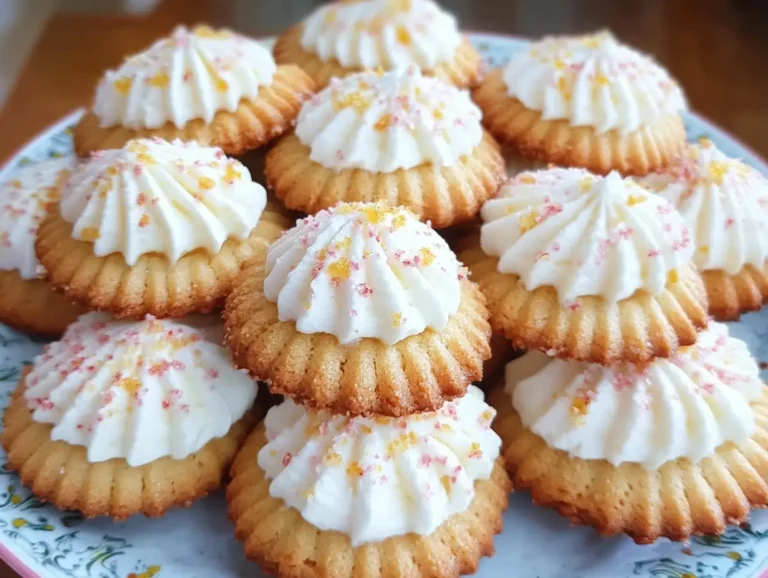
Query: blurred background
x,y
53,51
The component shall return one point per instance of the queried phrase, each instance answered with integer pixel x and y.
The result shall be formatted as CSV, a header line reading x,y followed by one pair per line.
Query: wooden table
x,y
715,48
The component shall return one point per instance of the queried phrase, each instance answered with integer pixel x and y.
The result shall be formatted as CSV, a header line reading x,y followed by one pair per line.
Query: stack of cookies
x,y
137,408
629,412
382,454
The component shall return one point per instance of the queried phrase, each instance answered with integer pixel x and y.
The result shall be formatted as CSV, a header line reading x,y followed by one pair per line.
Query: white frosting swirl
x,y
384,122
585,234
363,270
186,76
683,407
592,81
23,203
373,478
725,204
137,390
386,33
155,196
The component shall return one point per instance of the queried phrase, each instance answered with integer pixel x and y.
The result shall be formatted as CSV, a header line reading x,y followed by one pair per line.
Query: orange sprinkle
x,y
427,256
231,174
397,319
352,100
222,85
206,183
446,482
354,470
718,170
160,80
332,458
340,270
90,234
633,200
144,220
123,85
398,222
672,277
403,36
601,79
528,221
384,122
579,406
131,385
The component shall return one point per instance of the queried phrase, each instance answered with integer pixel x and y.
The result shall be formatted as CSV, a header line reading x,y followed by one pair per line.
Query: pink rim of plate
x,y
5,552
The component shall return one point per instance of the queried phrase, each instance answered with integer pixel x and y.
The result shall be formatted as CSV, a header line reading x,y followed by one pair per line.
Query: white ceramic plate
x,y
39,540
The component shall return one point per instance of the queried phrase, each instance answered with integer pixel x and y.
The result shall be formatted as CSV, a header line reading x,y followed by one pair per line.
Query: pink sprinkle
x,y
287,459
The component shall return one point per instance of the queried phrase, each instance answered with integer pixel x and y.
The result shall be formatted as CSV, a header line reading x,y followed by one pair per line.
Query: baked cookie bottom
x,y
196,283
443,196
731,295
282,543
679,500
254,123
464,71
60,473
555,141
637,329
32,306
368,377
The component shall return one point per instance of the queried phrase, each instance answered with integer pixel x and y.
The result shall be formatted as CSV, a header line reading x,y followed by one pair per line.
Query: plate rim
x,y
26,566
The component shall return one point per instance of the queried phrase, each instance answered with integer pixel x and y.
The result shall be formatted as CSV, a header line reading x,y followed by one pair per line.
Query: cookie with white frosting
x,y
339,488
155,228
362,310
585,101
28,302
725,204
672,448
399,137
587,267
214,87
126,417
343,37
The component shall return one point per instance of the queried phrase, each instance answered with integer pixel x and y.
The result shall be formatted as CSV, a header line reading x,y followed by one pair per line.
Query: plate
x,y
39,540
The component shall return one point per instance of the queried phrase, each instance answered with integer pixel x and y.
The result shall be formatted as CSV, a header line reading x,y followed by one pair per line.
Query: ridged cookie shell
x,y
636,329
639,152
679,500
282,543
464,71
253,124
61,474
196,283
32,306
731,295
368,377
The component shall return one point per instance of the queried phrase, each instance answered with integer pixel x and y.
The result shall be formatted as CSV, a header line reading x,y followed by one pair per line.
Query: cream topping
x,y
24,200
373,478
138,390
386,33
390,121
592,81
189,75
363,270
585,235
725,204
167,198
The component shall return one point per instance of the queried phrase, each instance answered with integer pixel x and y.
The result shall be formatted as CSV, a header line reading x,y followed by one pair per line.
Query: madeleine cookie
x,y
28,301
127,417
586,101
316,494
725,204
155,228
588,268
674,448
398,137
213,87
343,38
361,310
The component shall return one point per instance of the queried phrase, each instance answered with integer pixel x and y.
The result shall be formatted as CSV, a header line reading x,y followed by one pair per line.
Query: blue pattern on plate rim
x,y
199,541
